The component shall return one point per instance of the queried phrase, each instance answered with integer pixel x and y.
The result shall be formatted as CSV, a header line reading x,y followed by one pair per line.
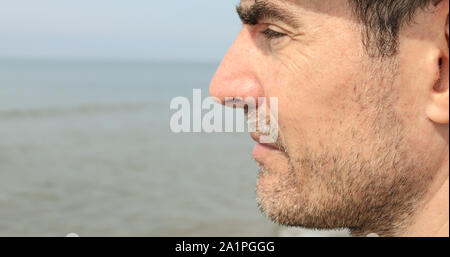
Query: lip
x,y
255,136
262,151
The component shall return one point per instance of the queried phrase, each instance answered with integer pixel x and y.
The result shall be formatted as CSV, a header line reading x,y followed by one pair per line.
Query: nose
x,y
237,75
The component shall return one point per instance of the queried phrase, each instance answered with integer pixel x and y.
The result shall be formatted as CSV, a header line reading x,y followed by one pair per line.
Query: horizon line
x,y
106,59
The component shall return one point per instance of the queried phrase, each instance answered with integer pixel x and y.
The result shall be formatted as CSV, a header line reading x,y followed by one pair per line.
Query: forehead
x,y
323,6
248,3
284,2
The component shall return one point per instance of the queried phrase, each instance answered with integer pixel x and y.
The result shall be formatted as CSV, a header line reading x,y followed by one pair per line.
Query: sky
x,y
199,30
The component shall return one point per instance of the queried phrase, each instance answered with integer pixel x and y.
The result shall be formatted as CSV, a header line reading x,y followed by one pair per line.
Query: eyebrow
x,y
264,10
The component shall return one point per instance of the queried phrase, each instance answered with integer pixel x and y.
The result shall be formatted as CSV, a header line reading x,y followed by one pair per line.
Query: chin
x,y
277,197
288,200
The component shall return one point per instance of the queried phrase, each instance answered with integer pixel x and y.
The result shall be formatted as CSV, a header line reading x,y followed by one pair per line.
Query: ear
x,y
438,108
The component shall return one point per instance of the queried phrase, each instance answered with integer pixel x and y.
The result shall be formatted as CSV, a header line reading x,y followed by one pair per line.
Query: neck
x,y
433,215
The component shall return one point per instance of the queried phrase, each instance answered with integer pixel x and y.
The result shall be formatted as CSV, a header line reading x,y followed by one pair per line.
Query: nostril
x,y
234,102
246,103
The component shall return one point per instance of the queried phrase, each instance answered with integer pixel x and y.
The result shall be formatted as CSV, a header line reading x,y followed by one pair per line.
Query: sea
x,y
86,148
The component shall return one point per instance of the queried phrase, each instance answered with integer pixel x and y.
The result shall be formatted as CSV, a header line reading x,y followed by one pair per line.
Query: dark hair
x,y
383,19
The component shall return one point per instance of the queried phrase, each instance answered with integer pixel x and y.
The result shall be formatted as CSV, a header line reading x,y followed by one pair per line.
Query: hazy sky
x,y
132,29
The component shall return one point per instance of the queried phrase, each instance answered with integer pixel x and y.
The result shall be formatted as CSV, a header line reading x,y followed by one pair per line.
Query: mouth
x,y
256,136
263,133
262,152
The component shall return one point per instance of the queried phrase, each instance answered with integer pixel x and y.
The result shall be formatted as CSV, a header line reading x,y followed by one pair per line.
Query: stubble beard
x,y
336,187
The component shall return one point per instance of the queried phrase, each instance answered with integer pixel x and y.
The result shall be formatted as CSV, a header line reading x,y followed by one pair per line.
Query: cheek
x,y
316,85
316,105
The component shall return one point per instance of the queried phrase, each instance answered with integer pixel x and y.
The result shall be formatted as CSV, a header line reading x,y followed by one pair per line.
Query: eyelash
x,y
272,34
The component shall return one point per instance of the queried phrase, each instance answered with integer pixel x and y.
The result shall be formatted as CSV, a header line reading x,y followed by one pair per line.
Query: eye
x,y
272,32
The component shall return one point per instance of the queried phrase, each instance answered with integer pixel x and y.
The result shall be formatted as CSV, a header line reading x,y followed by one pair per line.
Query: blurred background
x,y
85,143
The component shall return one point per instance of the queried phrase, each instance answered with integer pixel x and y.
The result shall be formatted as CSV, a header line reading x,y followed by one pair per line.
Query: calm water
x,y
85,147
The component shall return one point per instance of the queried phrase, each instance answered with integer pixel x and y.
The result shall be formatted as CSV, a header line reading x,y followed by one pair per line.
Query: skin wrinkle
x,y
352,153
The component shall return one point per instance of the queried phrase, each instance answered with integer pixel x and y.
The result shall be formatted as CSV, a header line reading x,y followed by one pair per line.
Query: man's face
x,y
344,156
